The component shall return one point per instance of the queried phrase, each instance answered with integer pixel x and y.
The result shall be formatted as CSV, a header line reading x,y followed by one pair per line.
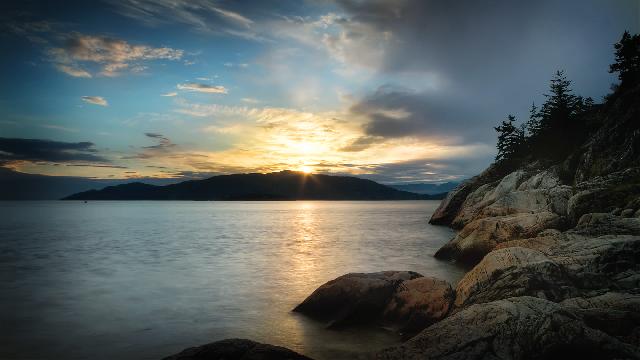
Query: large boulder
x,y
510,272
353,298
237,349
481,236
518,192
514,328
418,303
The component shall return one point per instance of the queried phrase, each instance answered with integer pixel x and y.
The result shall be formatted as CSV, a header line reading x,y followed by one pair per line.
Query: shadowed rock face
x,y
237,349
419,303
514,328
514,271
353,298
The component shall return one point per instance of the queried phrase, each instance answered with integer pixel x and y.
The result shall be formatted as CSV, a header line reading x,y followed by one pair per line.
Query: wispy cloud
x,y
203,88
170,94
58,127
202,15
236,65
96,100
73,70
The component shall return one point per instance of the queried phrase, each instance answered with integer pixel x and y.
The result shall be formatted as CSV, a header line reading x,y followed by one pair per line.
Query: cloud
x,y
99,166
426,169
96,100
202,15
163,147
17,149
233,65
113,56
163,142
362,143
170,94
204,88
73,71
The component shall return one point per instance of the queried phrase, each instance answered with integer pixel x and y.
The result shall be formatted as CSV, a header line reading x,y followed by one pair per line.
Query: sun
x,y
306,169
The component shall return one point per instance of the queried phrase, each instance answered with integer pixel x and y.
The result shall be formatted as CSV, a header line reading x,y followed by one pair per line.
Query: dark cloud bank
x,y
13,149
490,58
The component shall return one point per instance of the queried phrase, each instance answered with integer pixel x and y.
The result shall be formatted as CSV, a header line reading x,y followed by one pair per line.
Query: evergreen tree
x,y
510,139
557,132
627,63
561,104
534,125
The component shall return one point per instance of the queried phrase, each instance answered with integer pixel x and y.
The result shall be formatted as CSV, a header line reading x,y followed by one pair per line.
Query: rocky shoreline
x,y
553,279
554,251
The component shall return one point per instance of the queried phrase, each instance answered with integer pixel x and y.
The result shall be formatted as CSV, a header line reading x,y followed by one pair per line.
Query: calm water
x,y
140,280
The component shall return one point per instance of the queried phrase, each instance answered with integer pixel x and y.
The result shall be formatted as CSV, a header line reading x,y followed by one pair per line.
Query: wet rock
x,y
514,328
419,303
354,298
237,349
627,213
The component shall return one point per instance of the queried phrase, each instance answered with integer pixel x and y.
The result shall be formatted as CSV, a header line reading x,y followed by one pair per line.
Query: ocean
x,y
143,280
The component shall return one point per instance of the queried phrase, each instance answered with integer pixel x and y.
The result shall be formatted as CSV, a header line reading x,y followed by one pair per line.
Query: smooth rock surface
x,y
483,235
353,298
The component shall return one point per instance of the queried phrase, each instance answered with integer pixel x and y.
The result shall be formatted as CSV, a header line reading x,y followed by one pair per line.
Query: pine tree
x,y
561,104
510,139
627,63
558,115
534,125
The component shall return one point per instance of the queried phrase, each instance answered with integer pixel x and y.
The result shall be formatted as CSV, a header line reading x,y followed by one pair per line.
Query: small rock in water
x,y
237,349
354,298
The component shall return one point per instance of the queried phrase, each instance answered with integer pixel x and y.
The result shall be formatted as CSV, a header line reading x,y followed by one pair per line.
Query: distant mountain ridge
x,y
284,185
426,188
15,186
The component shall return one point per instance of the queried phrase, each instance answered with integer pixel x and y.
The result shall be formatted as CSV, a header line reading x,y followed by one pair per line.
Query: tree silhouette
x,y
627,63
556,129
534,124
510,139
558,115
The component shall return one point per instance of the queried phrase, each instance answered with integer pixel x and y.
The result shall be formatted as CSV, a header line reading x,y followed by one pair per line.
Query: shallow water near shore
x,y
142,280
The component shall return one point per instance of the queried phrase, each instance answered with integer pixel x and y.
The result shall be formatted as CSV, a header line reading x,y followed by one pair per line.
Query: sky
x,y
394,91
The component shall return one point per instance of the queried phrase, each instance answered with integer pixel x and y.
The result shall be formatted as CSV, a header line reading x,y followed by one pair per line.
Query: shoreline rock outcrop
x,y
514,328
